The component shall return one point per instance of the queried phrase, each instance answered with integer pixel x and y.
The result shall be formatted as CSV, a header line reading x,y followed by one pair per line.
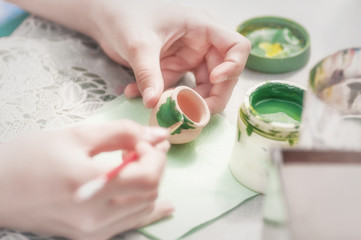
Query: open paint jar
x,y
270,115
278,44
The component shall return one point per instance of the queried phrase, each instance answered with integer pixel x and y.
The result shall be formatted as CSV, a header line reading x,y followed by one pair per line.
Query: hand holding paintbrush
x,y
93,186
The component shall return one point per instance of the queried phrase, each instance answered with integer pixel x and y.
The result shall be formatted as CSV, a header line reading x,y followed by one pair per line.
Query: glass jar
x,y
270,115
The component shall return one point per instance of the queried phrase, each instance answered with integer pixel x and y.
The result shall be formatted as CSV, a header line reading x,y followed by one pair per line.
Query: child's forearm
x,y
74,14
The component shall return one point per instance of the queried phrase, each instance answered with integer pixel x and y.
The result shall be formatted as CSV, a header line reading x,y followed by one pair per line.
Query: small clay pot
x,y
185,105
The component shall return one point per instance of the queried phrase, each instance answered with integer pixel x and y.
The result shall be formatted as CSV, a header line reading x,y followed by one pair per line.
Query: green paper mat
x,y
197,179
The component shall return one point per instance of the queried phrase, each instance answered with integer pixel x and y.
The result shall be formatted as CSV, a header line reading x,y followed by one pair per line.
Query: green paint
x,y
278,110
274,42
169,115
249,130
275,102
239,135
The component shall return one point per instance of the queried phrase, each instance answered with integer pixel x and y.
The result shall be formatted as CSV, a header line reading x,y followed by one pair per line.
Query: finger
x,y
121,208
132,91
173,69
235,49
135,198
144,59
163,146
170,78
161,210
152,159
203,86
138,219
220,95
123,134
143,174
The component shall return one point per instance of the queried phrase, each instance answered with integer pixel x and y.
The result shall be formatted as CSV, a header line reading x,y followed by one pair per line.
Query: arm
x,y
70,13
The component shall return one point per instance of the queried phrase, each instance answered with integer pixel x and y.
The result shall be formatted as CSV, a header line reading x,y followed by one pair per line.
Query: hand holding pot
x,y
160,41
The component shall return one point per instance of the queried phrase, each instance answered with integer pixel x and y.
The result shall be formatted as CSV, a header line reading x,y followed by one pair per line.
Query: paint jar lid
x,y
279,44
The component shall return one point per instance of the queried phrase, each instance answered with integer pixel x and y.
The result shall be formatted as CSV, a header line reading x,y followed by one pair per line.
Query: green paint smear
x,y
249,130
272,38
169,115
276,102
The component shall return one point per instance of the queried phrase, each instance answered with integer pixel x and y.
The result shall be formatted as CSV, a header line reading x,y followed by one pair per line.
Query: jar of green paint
x,y
269,116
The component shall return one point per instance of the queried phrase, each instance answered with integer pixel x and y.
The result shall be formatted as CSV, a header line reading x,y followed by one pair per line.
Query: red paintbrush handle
x,y
128,158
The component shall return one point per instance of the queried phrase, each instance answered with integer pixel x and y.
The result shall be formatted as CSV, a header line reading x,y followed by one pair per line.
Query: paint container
x,y
185,105
279,44
269,116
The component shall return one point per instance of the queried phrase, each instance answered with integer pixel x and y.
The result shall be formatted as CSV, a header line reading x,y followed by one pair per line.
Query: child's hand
x,y
40,173
162,41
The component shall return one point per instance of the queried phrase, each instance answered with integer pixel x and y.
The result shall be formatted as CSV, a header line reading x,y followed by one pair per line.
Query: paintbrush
x,y
90,188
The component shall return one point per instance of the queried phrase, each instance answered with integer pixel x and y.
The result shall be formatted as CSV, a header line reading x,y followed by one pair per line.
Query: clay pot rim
x,y
206,113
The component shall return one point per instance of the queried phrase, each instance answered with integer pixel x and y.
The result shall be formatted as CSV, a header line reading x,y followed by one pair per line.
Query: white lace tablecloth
x,y
50,77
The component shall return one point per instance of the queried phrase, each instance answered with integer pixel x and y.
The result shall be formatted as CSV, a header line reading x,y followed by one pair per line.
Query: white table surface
x,y
333,25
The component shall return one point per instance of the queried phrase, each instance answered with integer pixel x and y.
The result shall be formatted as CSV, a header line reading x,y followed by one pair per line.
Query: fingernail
x,y
148,94
220,79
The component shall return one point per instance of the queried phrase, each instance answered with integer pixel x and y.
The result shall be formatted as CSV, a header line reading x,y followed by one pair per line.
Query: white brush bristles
x,y
87,190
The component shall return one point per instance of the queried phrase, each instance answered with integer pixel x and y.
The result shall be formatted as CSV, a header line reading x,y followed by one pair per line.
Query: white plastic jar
x,y
270,115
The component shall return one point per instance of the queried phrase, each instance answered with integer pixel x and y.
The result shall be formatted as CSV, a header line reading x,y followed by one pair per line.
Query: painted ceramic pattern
x,y
336,80
274,42
185,105
168,115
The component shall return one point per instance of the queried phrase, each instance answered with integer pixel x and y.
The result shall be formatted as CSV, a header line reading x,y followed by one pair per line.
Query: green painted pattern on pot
x,y
169,115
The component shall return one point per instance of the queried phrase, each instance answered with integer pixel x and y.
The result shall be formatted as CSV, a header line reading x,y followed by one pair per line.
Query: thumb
x,y
145,63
